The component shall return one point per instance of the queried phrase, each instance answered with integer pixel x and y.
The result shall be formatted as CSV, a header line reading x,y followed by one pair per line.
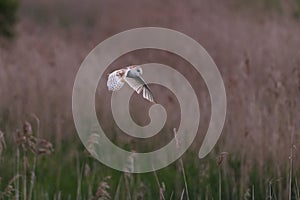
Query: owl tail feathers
x,y
139,89
147,94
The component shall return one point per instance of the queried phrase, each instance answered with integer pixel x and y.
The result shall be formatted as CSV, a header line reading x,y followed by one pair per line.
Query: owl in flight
x,y
132,76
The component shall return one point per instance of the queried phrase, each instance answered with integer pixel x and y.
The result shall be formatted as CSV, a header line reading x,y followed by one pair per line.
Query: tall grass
x,y
257,52
215,177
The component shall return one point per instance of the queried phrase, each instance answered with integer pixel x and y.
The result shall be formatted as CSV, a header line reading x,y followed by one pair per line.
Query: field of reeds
x,y
256,46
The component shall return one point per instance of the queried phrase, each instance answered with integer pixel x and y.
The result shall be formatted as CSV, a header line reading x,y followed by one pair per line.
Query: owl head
x,y
139,70
135,71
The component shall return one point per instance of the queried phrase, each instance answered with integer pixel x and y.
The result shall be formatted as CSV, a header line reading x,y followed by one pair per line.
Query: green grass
x,y
71,173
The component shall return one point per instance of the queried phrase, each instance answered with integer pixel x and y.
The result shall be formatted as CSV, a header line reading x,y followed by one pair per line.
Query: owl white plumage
x,y
115,81
132,76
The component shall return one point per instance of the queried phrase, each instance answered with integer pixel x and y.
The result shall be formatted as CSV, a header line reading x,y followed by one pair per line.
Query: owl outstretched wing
x,y
139,85
115,81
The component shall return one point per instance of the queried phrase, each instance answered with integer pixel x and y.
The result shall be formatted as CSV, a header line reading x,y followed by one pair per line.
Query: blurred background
x,y
256,46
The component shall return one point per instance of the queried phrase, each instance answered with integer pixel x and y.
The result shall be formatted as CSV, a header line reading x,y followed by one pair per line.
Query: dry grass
x,y
256,49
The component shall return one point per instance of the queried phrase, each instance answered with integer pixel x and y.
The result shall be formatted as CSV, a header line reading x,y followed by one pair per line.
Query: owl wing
x,y
139,85
114,81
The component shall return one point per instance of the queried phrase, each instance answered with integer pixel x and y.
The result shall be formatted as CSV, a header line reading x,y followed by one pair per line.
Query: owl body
x,y
132,76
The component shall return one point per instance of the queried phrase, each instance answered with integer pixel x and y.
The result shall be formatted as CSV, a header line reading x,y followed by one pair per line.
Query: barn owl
x,y
132,76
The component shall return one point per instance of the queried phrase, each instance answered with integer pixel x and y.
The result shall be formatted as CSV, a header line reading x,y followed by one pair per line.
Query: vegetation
x,y
8,16
297,9
32,172
256,50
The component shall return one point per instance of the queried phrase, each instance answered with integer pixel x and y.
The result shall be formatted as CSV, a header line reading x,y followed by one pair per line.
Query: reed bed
x,y
256,47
